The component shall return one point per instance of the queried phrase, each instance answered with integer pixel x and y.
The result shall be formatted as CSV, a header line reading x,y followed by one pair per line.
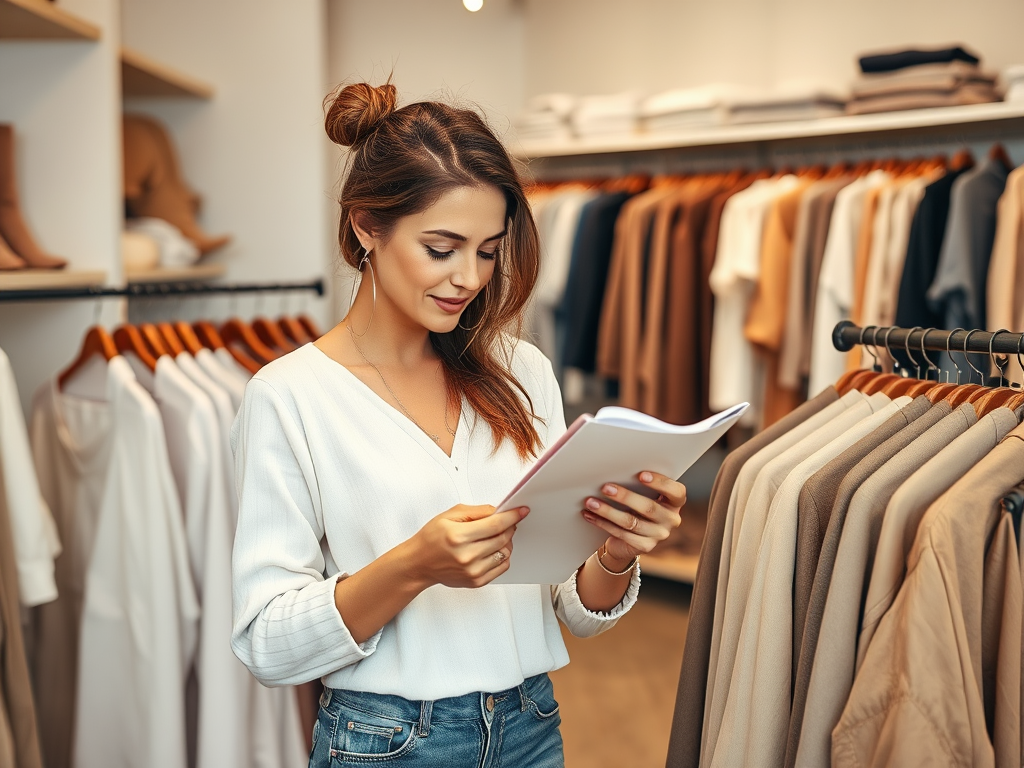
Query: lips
x,y
451,306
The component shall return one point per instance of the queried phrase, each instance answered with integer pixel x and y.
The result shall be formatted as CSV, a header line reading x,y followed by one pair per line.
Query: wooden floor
x,y
617,694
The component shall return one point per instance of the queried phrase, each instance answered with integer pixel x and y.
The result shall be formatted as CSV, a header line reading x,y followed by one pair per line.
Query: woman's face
x,y
436,262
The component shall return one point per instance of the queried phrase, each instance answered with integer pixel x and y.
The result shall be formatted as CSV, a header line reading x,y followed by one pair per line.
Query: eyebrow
x,y
462,238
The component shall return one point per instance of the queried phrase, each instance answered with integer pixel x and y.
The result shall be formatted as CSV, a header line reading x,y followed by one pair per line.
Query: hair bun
x,y
357,110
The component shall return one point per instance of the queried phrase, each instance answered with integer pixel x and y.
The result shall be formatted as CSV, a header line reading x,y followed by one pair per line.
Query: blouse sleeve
x,y
577,618
287,628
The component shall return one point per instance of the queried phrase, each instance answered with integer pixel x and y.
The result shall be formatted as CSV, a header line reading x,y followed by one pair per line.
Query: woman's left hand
x,y
648,521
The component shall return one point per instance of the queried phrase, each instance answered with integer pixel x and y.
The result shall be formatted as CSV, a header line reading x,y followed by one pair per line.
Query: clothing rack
x,y
847,335
157,290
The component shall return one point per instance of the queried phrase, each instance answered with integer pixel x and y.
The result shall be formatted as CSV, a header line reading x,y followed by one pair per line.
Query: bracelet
x,y
603,551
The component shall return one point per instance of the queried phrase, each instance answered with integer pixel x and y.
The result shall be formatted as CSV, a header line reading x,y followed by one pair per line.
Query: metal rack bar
x,y
156,290
846,336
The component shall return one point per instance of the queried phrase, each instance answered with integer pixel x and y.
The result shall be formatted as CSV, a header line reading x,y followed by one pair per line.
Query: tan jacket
x,y
1005,290
919,699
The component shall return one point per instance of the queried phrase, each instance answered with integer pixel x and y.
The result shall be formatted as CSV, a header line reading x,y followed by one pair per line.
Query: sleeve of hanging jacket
x,y
287,628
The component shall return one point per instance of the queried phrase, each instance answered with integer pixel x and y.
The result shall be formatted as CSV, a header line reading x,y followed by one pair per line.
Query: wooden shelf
x,y
42,279
670,565
177,274
913,119
141,76
42,20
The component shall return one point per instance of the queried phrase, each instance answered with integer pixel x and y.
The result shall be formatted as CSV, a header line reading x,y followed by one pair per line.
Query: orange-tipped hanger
x,y
293,329
96,342
188,337
963,392
237,332
171,339
881,380
997,396
962,160
270,333
837,170
153,338
908,386
307,322
998,153
128,338
858,378
211,339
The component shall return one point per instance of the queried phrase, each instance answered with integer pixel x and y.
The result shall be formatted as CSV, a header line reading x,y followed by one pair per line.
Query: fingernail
x,y
610,490
593,504
523,512
589,517
646,477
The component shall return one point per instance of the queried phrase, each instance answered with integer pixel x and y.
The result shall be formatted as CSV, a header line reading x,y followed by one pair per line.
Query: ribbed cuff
x,y
582,621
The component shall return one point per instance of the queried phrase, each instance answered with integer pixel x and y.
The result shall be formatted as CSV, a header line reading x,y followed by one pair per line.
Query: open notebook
x,y
614,446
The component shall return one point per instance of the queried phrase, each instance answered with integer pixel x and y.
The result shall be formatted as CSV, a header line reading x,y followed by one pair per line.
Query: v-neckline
x,y
396,415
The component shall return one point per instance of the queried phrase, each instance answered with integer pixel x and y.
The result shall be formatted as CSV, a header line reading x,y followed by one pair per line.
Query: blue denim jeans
x,y
517,727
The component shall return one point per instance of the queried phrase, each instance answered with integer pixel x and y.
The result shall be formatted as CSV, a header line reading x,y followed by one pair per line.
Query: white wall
x,y
255,152
64,101
604,46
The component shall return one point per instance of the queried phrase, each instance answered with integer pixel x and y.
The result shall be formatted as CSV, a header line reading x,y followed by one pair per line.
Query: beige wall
x,y
603,46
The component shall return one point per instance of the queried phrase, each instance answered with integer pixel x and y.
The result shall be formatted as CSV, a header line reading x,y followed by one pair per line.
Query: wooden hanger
x,y
235,331
293,329
153,338
171,339
96,342
307,323
999,154
211,339
270,333
962,160
128,338
188,337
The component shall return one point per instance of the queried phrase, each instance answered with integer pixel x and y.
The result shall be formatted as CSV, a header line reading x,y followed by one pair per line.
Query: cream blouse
x,y
330,476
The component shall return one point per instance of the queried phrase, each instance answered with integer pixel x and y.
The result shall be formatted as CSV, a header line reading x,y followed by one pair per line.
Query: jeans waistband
x,y
470,706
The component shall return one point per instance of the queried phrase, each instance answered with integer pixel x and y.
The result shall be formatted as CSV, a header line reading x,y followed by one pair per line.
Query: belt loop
x,y
426,707
523,698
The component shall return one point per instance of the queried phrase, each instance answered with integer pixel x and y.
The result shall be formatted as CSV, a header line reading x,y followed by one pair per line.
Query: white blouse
x,y
330,476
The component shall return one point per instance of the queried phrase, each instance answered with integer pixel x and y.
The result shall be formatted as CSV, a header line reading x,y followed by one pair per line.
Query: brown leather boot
x,y
153,183
13,228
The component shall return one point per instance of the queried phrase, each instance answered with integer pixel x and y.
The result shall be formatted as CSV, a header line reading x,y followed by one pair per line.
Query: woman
x,y
368,462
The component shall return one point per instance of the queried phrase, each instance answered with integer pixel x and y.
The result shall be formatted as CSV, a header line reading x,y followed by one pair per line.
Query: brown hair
x,y
402,161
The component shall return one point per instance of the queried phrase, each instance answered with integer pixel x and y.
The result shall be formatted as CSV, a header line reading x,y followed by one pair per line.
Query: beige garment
x,y
741,491
799,290
766,318
755,721
918,699
970,93
1005,288
908,505
835,653
1001,615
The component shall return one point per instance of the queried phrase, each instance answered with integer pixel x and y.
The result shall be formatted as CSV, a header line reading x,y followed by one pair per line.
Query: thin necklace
x,y
435,438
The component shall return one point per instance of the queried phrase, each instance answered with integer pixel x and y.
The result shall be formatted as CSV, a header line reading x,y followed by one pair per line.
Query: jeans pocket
x,y
363,736
541,696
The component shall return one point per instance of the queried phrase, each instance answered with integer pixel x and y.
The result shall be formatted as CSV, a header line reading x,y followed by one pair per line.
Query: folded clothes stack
x,y
783,104
916,79
1013,79
611,115
688,108
546,118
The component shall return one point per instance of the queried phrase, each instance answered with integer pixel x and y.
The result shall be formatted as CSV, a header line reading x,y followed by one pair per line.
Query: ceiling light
x,y
473,5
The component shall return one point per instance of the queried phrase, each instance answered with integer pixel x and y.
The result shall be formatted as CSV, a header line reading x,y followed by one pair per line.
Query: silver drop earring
x,y
365,261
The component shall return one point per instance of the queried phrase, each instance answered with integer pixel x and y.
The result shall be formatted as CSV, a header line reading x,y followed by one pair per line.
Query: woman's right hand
x,y
466,546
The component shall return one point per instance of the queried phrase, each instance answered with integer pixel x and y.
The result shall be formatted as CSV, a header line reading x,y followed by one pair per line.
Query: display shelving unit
x,y
45,279
42,20
142,76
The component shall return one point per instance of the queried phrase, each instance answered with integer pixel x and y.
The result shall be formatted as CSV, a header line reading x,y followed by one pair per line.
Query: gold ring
x,y
634,524
499,556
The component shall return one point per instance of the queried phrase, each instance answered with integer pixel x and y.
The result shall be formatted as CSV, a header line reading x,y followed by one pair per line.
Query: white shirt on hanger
x,y
834,299
239,719
335,476
736,373
140,613
33,530
229,379
232,366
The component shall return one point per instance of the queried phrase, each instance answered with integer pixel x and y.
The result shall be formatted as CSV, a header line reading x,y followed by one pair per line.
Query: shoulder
x,y
525,361
291,373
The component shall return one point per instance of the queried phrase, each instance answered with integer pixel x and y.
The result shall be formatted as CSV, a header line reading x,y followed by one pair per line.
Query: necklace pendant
x,y
435,438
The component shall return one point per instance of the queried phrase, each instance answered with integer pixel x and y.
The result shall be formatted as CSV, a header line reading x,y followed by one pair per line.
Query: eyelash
x,y
441,255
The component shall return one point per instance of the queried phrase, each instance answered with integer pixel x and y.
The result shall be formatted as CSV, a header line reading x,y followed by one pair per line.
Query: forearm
x,y
599,590
374,595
